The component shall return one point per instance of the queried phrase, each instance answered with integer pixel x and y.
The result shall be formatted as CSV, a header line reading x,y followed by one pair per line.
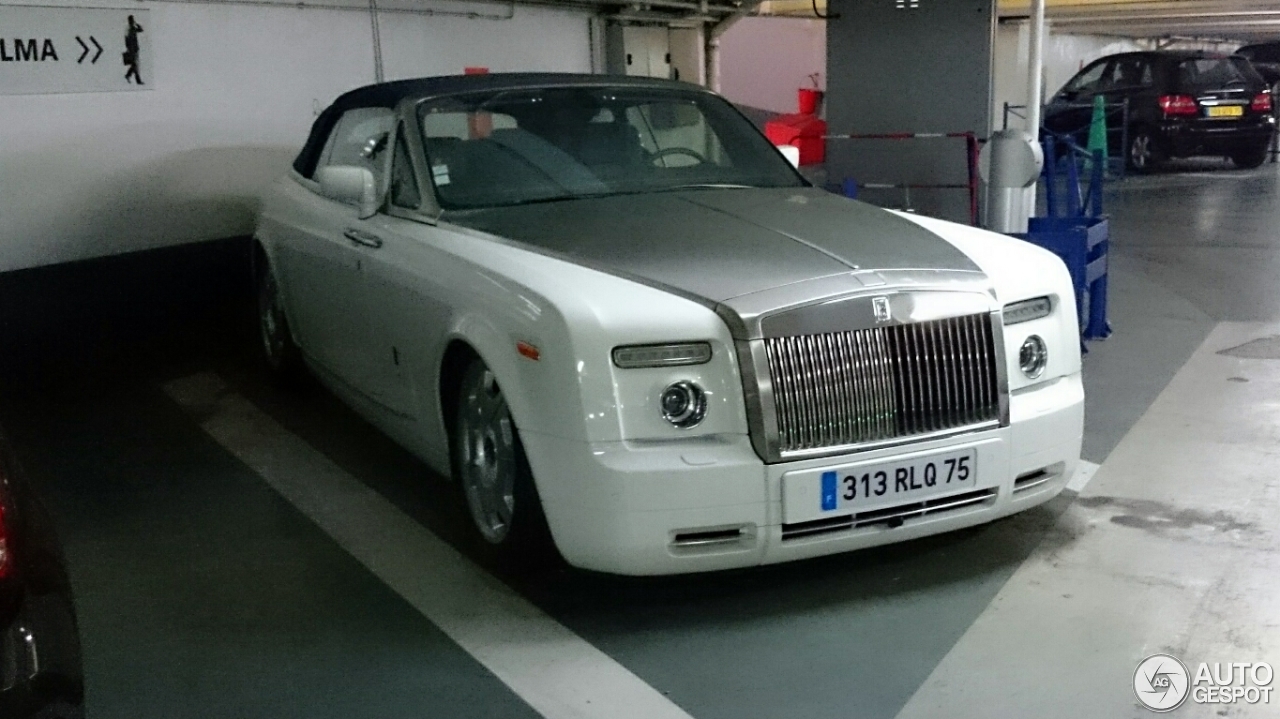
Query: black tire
x,y
493,475
1250,156
282,356
1146,152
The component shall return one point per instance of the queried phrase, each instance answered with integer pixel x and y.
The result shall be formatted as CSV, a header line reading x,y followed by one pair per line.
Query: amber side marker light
x,y
527,350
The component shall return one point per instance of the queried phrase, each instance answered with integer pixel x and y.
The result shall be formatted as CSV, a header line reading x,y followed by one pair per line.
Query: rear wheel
x,y
283,357
1145,152
1250,156
490,465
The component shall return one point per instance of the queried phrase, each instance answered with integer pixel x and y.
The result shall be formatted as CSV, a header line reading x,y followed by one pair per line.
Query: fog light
x,y
1027,310
1033,357
669,355
684,404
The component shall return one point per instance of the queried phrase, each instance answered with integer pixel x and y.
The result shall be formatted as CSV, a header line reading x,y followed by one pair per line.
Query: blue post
x,y
1095,183
1073,183
1080,236
1050,177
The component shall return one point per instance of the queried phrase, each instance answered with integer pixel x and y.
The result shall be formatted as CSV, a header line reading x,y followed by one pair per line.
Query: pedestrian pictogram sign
x,y
49,50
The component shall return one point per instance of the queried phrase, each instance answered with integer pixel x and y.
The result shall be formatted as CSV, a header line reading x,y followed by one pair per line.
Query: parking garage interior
x,y
242,548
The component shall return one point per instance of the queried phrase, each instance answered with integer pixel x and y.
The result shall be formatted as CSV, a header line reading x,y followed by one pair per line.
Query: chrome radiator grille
x,y
845,388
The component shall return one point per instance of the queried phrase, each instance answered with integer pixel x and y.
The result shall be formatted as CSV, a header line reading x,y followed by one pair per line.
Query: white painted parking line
x,y
1084,473
554,670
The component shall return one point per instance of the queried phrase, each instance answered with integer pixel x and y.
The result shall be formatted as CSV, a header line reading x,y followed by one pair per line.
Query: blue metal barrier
x,y
1080,235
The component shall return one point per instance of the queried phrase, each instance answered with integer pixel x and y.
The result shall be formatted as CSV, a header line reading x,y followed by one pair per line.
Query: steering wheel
x,y
668,151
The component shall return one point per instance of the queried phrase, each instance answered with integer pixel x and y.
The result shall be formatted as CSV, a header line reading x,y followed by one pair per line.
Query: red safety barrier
x,y
804,129
971,157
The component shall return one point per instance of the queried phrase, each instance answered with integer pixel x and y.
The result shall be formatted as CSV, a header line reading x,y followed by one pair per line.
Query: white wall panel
x,y
535,39
763,61
236,89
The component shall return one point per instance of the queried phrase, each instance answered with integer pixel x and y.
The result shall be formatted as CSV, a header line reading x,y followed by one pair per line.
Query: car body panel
x,y
755,239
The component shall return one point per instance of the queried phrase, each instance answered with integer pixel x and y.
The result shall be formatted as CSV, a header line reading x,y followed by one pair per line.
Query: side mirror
x,y
792,153
350,185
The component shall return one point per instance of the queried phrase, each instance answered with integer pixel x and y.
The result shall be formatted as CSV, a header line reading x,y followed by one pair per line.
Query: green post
x,y
1098,128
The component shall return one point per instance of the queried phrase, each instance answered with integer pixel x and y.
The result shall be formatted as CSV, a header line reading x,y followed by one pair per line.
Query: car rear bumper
x,y
1201,137
693,506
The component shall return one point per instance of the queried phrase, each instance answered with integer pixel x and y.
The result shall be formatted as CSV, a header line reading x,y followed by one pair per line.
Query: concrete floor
x,y
212,582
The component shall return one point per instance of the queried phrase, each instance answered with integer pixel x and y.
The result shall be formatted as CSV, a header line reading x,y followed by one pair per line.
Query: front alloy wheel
x,y
497,484
486,446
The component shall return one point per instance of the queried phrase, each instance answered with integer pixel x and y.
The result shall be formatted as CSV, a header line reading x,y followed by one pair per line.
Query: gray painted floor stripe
x,y
557,672
1172,548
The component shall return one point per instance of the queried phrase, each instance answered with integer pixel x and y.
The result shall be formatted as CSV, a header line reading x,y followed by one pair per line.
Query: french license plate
x,y
1226,111
893,482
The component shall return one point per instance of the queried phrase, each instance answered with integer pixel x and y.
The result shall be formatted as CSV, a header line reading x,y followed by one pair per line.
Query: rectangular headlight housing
x,y
1027,310
663,355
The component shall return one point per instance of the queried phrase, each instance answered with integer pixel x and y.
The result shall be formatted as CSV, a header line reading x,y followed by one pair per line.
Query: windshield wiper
x,y
707,186
622,193
540,200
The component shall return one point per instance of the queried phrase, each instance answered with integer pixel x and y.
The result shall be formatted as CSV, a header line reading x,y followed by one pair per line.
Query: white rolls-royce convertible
x,y
628,328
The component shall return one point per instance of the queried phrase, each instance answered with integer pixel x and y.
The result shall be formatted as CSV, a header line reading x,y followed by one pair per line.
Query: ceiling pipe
x,y
1143,17
714,32
1165,28
378,73
1035,79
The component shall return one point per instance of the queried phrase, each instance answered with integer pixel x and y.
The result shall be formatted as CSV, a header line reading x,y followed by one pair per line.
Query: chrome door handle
x,y
365,239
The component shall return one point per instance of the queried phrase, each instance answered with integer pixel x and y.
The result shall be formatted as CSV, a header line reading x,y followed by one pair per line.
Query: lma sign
x,y
49,50
28,50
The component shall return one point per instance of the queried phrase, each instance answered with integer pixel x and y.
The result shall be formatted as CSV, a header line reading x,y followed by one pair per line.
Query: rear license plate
x,y
1226,111
859,487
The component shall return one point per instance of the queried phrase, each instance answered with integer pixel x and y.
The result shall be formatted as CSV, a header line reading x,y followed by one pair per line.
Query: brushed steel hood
x,y
721,244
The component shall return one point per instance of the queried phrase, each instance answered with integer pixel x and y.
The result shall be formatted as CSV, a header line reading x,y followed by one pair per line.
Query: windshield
x,y
1215,72
542,145
1269,52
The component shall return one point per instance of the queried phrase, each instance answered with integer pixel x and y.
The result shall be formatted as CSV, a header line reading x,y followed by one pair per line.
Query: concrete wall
x,y
235,90
764,60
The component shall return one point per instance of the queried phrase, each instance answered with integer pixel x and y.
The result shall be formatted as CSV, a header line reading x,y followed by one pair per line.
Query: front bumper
x,y
645,508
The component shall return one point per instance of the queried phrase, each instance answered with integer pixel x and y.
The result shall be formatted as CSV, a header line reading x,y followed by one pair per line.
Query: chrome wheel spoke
x,y
269,318
487,446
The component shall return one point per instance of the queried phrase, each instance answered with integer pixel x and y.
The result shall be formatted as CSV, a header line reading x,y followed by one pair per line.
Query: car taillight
x,y
1261,102
1179,105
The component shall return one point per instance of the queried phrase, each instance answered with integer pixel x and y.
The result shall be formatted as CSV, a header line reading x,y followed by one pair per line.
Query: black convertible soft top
x,y
389,94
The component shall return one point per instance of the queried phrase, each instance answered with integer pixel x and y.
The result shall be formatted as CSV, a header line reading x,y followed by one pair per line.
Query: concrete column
x,y
1035,81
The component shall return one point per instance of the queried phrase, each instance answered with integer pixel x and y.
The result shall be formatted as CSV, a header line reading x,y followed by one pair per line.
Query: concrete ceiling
x,y
1239,20
1242,20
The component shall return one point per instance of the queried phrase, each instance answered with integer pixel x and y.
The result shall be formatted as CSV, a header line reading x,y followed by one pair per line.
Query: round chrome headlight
x,y
684,404
1033,357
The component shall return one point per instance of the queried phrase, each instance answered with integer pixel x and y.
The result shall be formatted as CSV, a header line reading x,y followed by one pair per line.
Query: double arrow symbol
x,y
85,54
